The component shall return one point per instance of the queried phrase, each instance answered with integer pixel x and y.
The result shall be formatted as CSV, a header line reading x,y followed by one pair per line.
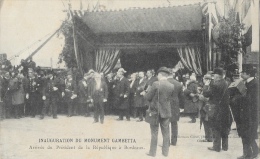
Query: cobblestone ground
x,y
19,139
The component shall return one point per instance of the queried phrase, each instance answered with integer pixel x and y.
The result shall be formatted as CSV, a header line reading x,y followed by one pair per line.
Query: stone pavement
x,y
23,139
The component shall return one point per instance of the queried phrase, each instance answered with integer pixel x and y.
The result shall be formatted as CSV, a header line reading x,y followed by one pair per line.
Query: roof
x,y
174,18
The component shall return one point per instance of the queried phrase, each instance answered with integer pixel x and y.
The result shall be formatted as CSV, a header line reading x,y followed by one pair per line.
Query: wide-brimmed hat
x,y
163,69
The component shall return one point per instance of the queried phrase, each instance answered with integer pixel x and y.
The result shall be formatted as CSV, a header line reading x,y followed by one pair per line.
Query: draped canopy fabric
x,y
106,59
190,57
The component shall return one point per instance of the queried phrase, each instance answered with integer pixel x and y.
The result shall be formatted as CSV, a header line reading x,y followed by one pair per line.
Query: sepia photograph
x,y
129,79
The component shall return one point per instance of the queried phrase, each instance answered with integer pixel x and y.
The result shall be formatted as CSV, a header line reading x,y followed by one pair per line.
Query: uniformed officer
x,y
50,95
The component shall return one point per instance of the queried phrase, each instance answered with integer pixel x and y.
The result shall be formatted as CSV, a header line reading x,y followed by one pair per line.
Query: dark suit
x,y
83,97
70,90
159,96
122,90
132,89
139,99
177,101
248,121
98,95
221,121
32,103
52,97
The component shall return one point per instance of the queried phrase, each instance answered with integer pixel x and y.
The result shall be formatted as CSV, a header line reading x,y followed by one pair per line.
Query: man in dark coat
x,y
218,94
248,123
177,102
122,93
139,96
83,95
132,89
70,94
109,104
98,97
6,95
50,95
150,79
159,96
32,95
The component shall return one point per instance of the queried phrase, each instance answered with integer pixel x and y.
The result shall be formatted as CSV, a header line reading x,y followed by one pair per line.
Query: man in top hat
x,y
98,97
50,95
177,102
122,93
218,94
248,122
159,96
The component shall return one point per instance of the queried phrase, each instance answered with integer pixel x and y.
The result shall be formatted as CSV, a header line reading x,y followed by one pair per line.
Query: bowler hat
x,y
218,71
163,69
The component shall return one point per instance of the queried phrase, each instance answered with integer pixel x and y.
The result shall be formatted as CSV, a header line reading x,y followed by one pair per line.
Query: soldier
x,y
50,95
83,95
98,97
32,94
70,94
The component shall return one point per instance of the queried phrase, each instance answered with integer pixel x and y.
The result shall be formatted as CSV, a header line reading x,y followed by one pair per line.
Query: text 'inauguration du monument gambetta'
x,y
98,144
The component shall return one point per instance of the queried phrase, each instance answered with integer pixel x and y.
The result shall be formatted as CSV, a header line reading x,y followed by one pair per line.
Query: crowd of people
x,y
215,99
